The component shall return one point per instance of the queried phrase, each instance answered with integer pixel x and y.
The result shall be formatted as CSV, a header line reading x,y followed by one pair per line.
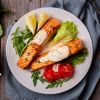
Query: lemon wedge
x,y
31,22
42,19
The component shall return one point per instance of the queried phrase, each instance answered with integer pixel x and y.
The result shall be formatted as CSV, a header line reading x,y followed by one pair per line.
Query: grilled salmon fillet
x,y
26,58
41,38
72,47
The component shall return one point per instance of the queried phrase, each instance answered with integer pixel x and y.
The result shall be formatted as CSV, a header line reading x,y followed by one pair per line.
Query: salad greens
x,y
67,31
79,58
57,83
20,39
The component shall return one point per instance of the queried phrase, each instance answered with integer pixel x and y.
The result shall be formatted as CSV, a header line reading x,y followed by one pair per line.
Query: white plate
x,y
24,76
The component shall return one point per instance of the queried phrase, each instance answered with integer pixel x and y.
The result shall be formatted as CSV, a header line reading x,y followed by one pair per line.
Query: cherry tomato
x,y
48,73
65,70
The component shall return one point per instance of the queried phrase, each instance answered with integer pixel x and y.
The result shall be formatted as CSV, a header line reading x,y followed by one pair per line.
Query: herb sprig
x,y
57,83
36,76
20,39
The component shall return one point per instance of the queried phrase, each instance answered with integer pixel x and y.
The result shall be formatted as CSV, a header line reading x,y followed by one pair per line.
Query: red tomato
x,y
48,73
65,70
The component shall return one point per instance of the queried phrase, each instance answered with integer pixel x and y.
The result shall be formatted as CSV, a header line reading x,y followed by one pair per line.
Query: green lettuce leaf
x,y
67,31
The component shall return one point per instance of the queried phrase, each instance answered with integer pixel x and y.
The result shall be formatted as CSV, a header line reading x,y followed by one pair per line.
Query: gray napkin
x,y
83,91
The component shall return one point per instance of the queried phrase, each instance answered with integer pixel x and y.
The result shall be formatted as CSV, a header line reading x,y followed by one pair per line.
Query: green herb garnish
x,y
20,40
36,76
42,79
57,83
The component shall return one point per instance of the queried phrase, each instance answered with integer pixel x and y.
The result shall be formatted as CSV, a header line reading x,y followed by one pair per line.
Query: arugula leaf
x,y
57,83
20,39
51,85
35,76
1,30
42,79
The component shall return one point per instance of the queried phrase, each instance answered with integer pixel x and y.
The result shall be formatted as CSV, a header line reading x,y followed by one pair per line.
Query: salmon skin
x,y
33,47
74,47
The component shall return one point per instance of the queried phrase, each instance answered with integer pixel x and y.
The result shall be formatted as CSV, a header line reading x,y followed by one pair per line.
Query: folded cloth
x,y
83,91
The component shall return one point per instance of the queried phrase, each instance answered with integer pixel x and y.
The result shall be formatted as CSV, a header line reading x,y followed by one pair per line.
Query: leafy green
x,y
57,83
20,39
1,30
36,76
42,79
67,31
79,58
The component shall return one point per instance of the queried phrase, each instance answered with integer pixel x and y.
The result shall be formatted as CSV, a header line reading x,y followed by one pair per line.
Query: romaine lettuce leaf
x,y
67,31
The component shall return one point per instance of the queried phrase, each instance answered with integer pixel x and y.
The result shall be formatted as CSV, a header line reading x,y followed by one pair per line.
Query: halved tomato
x,y
65,70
